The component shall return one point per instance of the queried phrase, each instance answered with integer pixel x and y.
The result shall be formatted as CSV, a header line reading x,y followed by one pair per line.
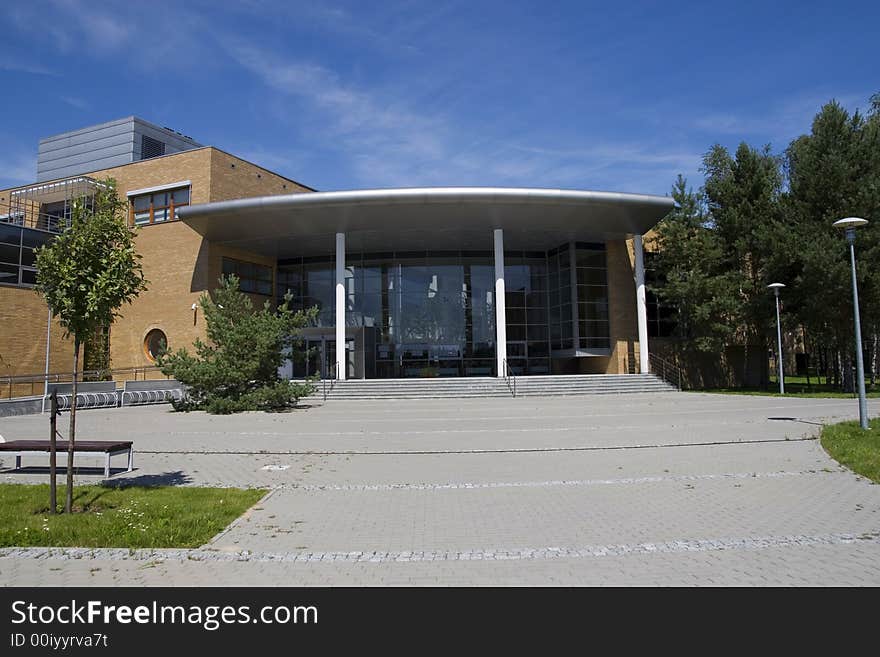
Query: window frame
x,y
170,209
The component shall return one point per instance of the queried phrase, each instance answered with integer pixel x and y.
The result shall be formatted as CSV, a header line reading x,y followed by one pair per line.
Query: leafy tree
x,y
690,256
834,172
743,195
746,228
86,274
237,368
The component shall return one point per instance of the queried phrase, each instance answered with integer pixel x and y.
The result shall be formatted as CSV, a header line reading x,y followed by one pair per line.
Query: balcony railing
x,y
29,216
47,206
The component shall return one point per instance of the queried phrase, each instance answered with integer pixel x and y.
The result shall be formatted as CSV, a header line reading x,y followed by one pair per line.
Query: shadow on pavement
x,y
176,478
794,419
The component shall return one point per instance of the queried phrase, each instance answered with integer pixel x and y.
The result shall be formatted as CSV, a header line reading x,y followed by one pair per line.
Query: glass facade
x,y
526,298
585,325
432,313
252,277
17,259
560,308
591,269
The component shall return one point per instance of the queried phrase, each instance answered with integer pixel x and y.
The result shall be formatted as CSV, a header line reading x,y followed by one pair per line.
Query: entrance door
x,y
326,361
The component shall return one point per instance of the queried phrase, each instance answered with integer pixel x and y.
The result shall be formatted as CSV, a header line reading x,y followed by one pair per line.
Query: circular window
x,y
155,344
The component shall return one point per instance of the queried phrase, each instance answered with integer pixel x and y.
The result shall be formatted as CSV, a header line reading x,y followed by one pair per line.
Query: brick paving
x,y
674,488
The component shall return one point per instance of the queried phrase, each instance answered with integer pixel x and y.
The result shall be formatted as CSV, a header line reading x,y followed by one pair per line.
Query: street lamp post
x,y
776,287
850,224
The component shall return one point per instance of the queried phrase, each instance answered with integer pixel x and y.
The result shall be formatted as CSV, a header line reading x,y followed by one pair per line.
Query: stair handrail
x,y
666,370
509,376
332,379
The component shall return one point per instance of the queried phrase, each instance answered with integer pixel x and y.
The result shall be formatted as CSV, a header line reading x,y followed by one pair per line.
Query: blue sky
x,y
347,95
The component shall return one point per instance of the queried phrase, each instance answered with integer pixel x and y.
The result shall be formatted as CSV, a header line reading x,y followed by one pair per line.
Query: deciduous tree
x,y
86,274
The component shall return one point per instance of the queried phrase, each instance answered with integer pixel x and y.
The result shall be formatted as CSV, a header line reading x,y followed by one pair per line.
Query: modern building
x,y
465,281
106,145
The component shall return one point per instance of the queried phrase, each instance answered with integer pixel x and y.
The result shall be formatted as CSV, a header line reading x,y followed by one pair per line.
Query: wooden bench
x,y
19,448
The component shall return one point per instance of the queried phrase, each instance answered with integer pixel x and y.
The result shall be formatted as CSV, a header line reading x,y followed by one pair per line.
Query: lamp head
x,y
850,222
776,286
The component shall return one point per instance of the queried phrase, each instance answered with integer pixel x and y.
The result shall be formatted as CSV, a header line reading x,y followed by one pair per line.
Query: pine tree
x,y
237,368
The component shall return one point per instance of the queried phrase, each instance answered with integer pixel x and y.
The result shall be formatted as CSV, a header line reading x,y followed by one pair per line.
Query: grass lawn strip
x,y
127,517
810,394
858,450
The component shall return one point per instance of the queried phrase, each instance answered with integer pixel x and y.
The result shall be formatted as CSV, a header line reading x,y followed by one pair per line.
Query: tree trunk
x,y
71,437
875,360
838,369
53,468
846,370
807,354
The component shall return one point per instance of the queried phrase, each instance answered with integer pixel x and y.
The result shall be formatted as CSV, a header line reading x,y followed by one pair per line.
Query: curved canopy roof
x,y
437,218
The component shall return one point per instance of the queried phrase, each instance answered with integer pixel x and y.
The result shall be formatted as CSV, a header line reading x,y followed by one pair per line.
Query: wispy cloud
x,y
78,103
17,168
777,121
389,142
400,94
105,31
74,27
7,63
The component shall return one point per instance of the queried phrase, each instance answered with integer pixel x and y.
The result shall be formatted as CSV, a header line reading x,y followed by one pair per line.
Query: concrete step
x,y
526,386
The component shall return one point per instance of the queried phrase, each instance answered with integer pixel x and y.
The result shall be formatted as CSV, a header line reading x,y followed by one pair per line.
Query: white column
x,y
641,307
500,309
340,305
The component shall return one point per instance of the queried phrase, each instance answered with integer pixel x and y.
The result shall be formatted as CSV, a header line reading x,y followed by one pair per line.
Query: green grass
x,y
790,391
856,449
795,386
129,517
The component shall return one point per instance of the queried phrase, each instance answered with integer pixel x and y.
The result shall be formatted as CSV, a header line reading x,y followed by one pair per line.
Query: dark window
x,y
17,258
661,316
253,278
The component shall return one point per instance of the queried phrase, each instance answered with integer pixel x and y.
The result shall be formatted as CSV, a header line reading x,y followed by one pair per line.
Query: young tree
x,y
237,369
86,274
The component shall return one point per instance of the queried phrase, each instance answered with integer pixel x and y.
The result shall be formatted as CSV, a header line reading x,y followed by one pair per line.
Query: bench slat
x,y
62,446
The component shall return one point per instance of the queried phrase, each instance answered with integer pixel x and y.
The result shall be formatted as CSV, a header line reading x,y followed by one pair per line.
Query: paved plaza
x,y
642,489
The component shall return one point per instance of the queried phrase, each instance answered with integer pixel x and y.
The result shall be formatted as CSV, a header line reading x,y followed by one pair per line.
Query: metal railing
x,y
26,216
666,370
509,376
32,385
332,380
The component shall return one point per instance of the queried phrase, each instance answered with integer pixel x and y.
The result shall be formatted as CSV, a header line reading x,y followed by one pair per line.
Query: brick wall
x,y
233,178
177,262
23,315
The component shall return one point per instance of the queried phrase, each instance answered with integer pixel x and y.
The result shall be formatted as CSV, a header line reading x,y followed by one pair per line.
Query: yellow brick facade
x,y
177,262
23,317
